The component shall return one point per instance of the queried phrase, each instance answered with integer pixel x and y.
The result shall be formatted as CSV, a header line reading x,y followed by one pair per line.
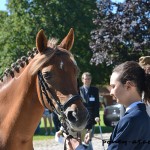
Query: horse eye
x,y
47,75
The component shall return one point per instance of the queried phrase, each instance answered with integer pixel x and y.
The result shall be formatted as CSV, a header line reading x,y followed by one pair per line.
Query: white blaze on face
x,y
61,65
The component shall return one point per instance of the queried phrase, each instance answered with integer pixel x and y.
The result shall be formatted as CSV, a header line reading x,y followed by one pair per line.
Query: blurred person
x,y
144,62
90,96
47,116
102,100
56,121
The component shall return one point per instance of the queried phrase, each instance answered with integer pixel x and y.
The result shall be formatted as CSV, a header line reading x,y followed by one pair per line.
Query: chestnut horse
x,y
47,78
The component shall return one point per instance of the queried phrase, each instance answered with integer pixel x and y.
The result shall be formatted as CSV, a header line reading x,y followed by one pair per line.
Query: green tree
x,y
122,31
16,36
3,16
56,17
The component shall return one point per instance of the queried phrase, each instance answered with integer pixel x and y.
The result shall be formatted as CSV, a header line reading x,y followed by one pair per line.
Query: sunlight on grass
x,y
42,137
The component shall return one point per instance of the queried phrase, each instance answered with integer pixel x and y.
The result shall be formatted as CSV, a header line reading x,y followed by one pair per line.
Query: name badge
x,y
92,99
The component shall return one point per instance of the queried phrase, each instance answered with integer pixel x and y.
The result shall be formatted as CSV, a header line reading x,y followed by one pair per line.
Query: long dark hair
x,y
131,71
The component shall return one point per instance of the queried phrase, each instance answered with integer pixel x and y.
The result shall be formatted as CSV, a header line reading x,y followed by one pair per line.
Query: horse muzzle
x,y
76,113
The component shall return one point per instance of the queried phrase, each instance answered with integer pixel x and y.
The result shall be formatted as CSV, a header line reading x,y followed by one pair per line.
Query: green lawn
x,y
41,135
105,129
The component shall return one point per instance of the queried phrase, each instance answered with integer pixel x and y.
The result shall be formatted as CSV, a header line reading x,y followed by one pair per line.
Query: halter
x,y
44,89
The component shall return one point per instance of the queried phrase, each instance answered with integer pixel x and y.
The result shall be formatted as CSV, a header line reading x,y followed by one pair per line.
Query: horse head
x,y
57,81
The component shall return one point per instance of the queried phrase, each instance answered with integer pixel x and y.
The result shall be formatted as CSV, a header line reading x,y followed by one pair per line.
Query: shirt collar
x,y
86,87
132,105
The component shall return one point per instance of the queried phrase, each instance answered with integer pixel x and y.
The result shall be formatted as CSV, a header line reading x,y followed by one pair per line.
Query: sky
x,y
3,2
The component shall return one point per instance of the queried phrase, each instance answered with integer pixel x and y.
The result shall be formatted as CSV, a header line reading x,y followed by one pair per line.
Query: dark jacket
x,y
91,102
132,131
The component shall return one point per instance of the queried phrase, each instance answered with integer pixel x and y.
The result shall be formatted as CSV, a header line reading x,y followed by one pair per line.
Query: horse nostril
x,y
72,116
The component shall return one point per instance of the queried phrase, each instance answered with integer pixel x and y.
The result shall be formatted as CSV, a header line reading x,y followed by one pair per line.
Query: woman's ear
x,y
129,84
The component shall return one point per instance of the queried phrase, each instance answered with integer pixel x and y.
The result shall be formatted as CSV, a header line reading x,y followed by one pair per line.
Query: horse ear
x,y
41,41
68,41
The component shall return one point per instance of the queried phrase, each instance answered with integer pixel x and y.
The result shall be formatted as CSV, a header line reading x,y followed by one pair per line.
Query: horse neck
x,y
20,107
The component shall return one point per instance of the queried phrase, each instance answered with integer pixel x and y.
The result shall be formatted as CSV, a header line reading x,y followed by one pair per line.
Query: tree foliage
x,y
122,31
26,17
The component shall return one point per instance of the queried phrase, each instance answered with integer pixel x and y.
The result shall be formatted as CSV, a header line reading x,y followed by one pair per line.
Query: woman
x,y
128,81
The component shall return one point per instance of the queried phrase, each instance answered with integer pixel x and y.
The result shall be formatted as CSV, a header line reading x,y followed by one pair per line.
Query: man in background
x,y
90,95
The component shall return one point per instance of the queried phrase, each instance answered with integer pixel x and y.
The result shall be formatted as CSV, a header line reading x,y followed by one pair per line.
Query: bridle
x,y
45,90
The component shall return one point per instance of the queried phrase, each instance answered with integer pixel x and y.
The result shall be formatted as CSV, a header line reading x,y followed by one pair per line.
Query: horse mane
x,y
39,60
17,67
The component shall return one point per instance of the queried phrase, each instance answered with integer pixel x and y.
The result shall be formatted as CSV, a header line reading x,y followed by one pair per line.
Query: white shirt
x,y
148,108
86,88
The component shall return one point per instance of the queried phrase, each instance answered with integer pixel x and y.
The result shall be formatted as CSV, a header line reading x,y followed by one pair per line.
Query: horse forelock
x,y
52,42
40,60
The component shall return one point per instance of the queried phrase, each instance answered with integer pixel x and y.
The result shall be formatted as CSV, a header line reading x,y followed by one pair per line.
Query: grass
x,y
42,136
105,129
